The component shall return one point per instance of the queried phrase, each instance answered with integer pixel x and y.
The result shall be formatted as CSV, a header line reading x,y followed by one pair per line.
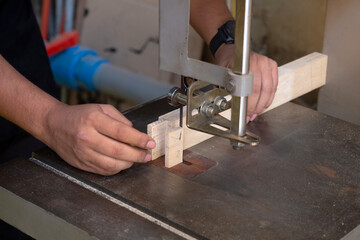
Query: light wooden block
x,y
157,131
173,147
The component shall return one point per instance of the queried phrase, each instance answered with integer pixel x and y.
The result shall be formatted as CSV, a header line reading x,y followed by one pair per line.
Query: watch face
x,y
229,31
230,28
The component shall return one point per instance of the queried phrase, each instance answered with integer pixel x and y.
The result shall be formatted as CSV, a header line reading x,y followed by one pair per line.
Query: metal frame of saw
x,y
174,35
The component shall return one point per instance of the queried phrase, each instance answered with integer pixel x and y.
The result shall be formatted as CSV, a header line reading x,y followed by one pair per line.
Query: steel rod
x,y
241,65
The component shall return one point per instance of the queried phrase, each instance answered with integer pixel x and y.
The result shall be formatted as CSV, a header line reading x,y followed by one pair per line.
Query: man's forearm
x,y
23,103
206,16
93,137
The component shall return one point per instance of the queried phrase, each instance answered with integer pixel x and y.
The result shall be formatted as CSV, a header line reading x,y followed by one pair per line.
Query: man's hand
x,y
95,138
206,16
265,78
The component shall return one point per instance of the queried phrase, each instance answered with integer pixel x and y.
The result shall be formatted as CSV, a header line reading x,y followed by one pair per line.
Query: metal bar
x,y
241,65
247,38
174,31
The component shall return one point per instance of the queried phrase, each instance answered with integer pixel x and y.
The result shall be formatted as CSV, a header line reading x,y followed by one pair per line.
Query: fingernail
x,y
247,119
253,117
150,144
147,157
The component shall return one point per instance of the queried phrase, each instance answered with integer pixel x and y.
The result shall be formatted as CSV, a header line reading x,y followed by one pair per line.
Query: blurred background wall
x,y
126,33
340,97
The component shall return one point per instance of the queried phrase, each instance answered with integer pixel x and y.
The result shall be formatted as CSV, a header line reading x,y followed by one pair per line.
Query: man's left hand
x,y
265,78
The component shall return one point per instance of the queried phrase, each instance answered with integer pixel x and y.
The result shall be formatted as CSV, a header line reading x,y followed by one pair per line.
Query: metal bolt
x,y
208,109
237,145
219,102
223,105
230,86
176,98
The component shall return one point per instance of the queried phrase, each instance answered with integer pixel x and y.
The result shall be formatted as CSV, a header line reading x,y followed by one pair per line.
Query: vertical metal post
x,y
241,66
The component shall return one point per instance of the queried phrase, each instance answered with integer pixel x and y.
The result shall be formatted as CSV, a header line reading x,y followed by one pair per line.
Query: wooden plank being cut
x,y
295,79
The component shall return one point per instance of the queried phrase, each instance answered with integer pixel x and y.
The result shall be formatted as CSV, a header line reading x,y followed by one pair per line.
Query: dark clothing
x,y
22,46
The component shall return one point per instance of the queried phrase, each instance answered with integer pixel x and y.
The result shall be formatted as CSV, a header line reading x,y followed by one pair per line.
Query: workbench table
x,y
301,182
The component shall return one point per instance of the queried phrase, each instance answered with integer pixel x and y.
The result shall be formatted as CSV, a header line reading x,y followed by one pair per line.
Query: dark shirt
x,y
22,46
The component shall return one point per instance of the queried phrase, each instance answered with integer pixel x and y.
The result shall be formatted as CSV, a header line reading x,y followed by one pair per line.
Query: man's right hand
x,y
93,137
96,138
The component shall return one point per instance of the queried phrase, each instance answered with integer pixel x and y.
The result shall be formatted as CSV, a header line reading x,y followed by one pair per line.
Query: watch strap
x,y
215,43
222,36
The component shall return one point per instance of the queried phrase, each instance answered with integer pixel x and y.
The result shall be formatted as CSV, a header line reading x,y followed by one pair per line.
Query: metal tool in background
x,y
217,88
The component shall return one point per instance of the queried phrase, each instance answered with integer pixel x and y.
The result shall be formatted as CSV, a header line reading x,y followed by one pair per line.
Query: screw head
x,y
171,96
230,86
237,145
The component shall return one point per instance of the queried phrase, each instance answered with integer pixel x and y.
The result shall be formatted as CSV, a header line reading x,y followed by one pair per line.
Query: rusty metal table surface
x,y
301,182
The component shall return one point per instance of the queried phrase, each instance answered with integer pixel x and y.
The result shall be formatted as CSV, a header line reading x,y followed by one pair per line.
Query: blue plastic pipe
x,y
78,67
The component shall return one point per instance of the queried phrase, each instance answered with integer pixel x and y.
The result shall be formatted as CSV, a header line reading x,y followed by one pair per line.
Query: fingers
x,y
89,160
115,114
254,97
266,92
123,133
119,151
275,78
99,154
265,85
104,165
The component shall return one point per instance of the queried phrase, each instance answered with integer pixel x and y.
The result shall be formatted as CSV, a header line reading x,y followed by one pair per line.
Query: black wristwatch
x,y
225,34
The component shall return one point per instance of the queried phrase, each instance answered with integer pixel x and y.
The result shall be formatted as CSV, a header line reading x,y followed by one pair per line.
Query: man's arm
x,y
206,16
95,138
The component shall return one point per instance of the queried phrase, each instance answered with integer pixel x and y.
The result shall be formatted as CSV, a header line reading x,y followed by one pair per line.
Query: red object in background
x,y
64,41
62,24
45,14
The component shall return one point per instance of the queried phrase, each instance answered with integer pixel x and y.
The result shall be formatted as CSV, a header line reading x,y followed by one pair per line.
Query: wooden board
x,y
295,79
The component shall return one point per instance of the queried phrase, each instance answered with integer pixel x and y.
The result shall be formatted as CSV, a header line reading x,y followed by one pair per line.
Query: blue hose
x,y
79,67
